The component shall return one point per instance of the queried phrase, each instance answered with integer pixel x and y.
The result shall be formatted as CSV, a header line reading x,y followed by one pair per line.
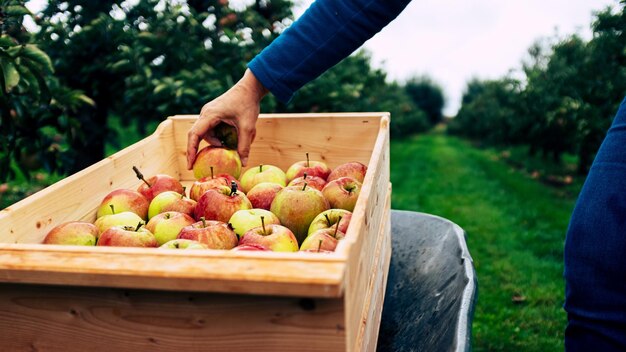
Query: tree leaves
x,y
10,76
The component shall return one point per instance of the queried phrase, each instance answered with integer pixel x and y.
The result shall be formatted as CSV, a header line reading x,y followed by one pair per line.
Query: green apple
x,y
127,236
166,226
171,201
125,218
296,207
73,233
246,219
183,244
262,173
330,218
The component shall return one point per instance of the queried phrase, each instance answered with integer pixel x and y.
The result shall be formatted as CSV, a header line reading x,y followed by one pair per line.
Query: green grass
x,y
515,231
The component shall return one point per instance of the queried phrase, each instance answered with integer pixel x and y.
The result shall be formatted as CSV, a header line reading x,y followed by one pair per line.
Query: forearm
x,y
327,32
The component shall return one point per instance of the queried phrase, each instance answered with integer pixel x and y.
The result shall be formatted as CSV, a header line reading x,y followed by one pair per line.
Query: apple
x,y
125,218
127,236
166,226
226,134
262,195
250,247
214,234
322,240
312,168
74,233
277,238
171,201
296,207
330,218
183,244
262,173
353,169
313,181
202,185
124,200
342,193
245,219
221,203
223,161
157,184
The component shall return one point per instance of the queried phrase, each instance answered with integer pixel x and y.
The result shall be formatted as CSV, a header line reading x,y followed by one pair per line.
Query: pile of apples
x,y
307,208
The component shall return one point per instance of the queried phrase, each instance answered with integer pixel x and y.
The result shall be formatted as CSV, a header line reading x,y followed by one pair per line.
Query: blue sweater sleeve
x,y
325,34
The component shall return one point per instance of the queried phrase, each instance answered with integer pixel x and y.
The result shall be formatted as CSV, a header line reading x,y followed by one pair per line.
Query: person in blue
x,y
595,245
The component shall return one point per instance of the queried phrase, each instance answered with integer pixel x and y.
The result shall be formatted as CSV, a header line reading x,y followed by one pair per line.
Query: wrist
x,y
252,84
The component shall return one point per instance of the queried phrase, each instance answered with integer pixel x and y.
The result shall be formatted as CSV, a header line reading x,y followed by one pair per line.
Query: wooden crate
x,y
61,298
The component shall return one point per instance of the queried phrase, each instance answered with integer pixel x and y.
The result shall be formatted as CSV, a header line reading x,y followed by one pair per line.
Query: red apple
x,y
166,226
312,168
322,240
183,244
221,159
329,219
353,169
221,203
262,195
124,200
127,236
171,201
75,233
313,181
262,173
250,247
157,184
202,185
342,193
296,207
215,234
275,237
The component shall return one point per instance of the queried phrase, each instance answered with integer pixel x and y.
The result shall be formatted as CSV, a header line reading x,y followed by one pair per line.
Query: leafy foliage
x,y
37,111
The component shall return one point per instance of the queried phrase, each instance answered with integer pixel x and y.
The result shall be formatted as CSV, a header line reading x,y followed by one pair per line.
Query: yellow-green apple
x,y
127,236
157,184
221,203
342,193
202,185
124,200
312,168
171,201
244,220
215,234
296,207
353,169
262,195
226,134
277,238
250,247
125,218
183,244
322,240
166,226
262,173
312,181
74,233
221,159
330,218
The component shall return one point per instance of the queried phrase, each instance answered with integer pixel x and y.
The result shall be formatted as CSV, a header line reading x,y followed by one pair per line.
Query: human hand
x,y
238,107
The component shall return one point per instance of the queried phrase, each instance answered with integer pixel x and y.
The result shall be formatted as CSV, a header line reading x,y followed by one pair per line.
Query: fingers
x,y
246,134
197,132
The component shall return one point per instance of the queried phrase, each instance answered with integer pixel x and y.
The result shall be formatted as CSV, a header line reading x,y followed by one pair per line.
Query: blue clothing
x,y
595,251
327,32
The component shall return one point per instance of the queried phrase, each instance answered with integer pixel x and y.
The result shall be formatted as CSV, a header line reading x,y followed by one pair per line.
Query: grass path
x,y
515,231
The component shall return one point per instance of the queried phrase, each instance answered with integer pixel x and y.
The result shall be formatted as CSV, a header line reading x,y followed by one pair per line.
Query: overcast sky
x,y
455,40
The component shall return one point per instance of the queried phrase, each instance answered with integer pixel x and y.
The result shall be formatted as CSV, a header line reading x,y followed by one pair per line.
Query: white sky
x,y
453,41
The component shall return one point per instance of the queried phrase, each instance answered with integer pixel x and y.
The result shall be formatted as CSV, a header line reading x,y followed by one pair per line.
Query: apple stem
x,y
233,188
212,173
305,175
176,245
112,208
140,176
203,221
307,160
327,219
304,187
261,168
263,225
319,246
337,227
138,226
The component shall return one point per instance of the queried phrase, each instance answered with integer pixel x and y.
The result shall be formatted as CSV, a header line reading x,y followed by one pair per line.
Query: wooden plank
x,y
48,318
282,140
367,337
360,242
